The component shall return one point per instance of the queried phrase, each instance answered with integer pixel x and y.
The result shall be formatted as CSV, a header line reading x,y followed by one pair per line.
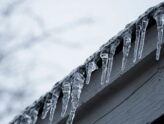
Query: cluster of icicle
x,y
71,86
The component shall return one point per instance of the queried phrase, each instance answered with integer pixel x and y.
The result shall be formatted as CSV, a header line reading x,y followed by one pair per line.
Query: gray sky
x,y
90,23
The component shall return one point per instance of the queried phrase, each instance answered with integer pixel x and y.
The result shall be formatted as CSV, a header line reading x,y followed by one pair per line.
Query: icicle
x,y
137,41
23,119
91,66
55,95
126,48
113,47
66,89
104,56
77,85
47,105
34,115
26,119
29,116
159,17
144,25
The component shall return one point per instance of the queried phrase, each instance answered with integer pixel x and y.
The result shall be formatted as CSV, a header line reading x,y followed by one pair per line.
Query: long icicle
x,y
137,41
104,56
66,89
90,67
126,48
35,108
25,119
77,85
159,17
29,116
34,115
55,95
47,105
144,25
113,47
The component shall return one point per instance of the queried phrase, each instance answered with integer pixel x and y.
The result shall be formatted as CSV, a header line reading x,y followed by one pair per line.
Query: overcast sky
x,y
90,23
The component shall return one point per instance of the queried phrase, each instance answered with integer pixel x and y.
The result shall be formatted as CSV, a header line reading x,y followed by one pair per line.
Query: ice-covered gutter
x,y
71,86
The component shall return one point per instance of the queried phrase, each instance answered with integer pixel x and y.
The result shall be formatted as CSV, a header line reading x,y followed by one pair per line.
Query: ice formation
x,y
105,59
137,41
159,17
47,105
144,24
29,116
77,85
55,95
113,47
66,89
126,48
91,66
70,88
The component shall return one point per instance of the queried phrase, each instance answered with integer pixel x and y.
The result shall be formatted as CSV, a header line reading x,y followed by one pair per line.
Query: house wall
x,y
133,97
